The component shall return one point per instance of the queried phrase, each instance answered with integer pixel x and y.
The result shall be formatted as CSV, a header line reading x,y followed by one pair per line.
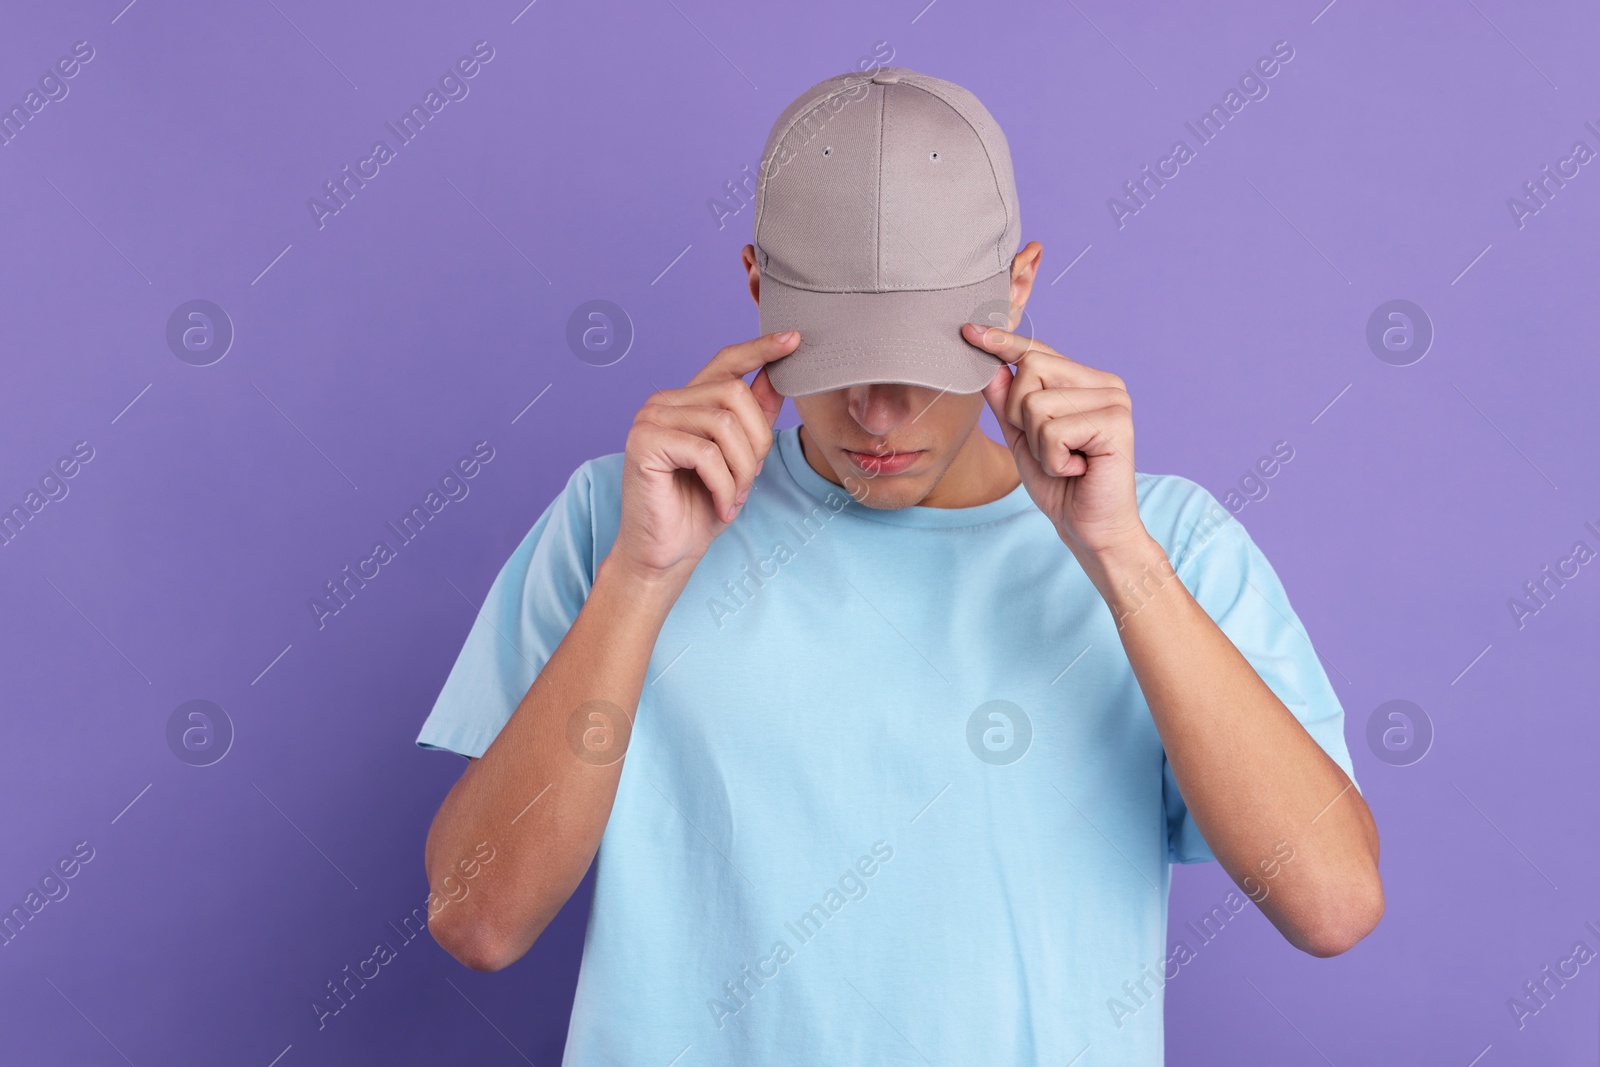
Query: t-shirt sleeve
x,y
1230,578
529,608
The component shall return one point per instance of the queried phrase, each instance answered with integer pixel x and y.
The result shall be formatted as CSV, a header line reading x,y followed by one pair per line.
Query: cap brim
x,y
910,336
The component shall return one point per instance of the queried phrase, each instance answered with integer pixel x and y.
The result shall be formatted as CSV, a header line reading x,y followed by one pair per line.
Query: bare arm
x,y
538,804
542,792
1259,786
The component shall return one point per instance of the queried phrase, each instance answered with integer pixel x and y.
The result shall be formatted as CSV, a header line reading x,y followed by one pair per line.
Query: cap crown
x,y
885,182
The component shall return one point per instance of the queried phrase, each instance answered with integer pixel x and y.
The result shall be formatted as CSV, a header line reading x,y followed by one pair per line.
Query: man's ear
x,y
1024,268
748,256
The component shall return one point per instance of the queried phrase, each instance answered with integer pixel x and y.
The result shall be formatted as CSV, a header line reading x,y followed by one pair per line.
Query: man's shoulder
x,y
600,477
1182,515
591,483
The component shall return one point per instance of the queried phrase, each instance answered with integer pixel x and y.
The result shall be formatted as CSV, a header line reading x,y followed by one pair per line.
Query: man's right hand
x,y
692,456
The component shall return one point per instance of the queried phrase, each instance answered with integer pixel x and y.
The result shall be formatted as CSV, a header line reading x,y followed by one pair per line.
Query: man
x,y
886,749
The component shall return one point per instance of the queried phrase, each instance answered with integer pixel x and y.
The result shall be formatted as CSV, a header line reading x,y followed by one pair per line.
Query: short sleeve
x,y
1231,579
529,608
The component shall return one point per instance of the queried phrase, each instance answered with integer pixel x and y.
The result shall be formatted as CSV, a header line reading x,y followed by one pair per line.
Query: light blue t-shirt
x,y
893,795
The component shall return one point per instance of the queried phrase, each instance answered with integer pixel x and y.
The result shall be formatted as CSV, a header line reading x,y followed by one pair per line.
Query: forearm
x,y
539,802
1254,780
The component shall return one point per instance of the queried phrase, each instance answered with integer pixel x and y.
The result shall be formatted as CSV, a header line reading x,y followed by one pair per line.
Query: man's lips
x,y
876,463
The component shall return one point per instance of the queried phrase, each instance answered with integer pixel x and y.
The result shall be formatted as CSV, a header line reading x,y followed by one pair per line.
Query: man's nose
x,y
879,407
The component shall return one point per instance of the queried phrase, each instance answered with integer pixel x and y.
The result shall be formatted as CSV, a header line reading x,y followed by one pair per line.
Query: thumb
x,y
997,392
767,396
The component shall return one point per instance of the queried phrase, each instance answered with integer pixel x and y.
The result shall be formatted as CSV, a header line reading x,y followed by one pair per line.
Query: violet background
x,y
416,323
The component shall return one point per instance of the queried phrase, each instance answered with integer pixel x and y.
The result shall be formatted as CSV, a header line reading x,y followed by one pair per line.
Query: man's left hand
x,y
1070,429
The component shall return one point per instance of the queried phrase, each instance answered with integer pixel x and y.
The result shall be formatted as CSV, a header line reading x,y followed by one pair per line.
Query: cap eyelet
x,y
934,156
828,151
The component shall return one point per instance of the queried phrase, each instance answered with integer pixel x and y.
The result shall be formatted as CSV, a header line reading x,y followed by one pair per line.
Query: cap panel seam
x,y
777,142
987,155
877,252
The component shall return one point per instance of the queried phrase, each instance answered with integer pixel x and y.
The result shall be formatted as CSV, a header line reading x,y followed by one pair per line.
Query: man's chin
x,y
888,492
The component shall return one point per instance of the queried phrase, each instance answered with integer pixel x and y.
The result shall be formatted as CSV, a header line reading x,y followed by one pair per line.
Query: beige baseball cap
x,y
886,216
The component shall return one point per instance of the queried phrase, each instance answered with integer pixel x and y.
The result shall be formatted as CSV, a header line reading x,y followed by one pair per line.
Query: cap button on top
x,y
886,77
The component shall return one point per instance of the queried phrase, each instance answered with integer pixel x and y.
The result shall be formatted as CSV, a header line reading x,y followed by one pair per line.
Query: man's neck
x,y
983,471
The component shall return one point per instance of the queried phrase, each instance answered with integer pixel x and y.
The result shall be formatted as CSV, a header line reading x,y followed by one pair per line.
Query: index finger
x,y
736,361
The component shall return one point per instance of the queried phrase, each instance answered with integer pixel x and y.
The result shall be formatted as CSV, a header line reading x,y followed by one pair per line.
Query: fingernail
x,y
783,337
980,329
743,494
